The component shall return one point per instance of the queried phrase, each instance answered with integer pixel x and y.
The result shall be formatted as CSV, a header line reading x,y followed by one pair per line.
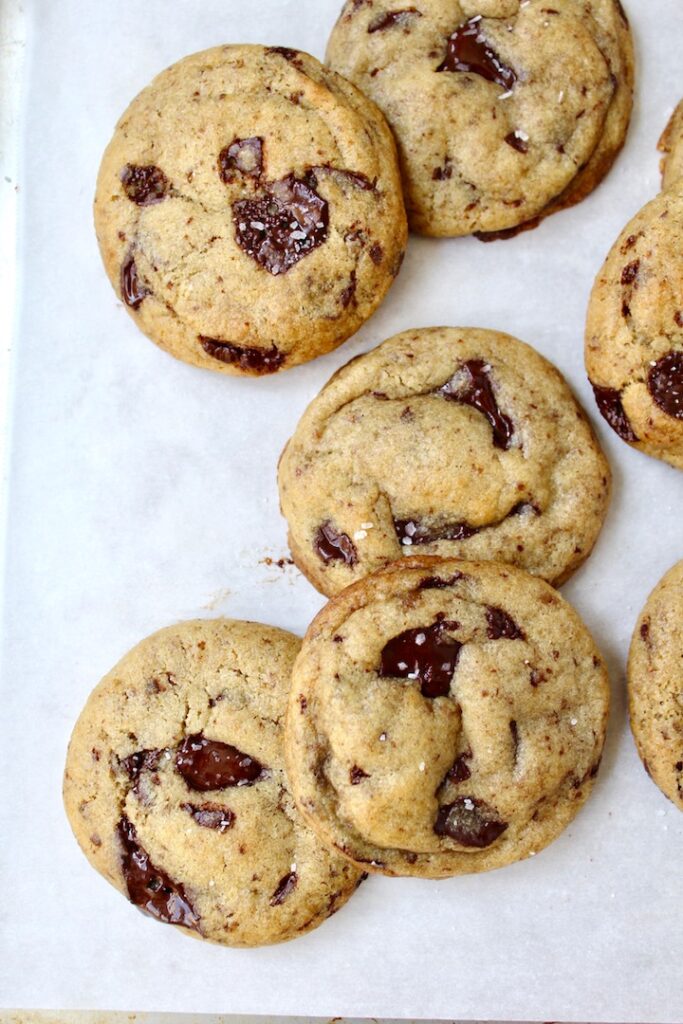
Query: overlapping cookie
x,y
671,145
249,209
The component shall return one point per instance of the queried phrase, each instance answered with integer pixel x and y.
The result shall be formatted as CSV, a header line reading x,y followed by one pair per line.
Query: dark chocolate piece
x,y
283,225
460,772
611,408
665,384
140,761
427,654
150,888
241,157
356,775
332,546
392,18
132,290
470,822
518,142
211,816
467,50
286,885
144,185
258,360
209,764
501,626
479,394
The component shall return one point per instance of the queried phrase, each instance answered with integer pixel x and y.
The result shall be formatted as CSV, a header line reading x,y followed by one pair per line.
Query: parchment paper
x,y
142,492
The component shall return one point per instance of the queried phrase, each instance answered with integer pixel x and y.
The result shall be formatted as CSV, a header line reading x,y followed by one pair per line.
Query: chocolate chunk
x,y
518,142
349,294
241,157
645,631
356,775
258,360
392,18
132,289
611,408
412,531
437,583
284,51
665,384
376,253
478,393
281,227
460,772
210,764
501,626
630,272
332,546
514,733
286,885
426,653
467,50
140,761
144,185
211,816
150,888
443,173
470,822
678,318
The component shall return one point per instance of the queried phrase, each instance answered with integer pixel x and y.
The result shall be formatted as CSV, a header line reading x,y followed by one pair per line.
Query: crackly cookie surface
x,y
445,717
655,685
443,441
175,787
504,110
249,209
634,330
671,145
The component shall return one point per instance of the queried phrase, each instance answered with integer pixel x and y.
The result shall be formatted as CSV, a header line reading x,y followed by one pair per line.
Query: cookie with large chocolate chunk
x,y
249,209
655,685
504,110
453,442
176,792
634,330
445,717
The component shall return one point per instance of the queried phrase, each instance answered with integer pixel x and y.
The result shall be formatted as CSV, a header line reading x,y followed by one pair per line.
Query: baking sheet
x,y
142,492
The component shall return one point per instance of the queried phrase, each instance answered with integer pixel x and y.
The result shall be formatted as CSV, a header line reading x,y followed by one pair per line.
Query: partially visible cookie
x,y
175,787
445,718
671,145
504,110
655,685
249,209
455,442
634,330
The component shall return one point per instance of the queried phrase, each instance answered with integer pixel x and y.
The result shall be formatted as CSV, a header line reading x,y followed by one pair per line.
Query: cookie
x,y
655,685
504,110
671,145
445,718
443,441
249,209
176,792
634,330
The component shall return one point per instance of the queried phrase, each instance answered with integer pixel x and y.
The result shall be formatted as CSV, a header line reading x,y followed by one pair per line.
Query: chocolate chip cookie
x,y
445,717
671,145
443,441
504,110
176,792
655,685
249,209
634,330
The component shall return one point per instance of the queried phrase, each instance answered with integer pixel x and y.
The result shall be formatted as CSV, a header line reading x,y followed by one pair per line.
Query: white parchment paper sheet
x,y
143,492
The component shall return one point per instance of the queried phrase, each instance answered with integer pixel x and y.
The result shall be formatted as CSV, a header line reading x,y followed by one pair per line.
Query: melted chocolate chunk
x,y
392,18
150,888
479,394
460,772
665,384
132,290
140,761
144,185
426,653
630,272
411,531
286,885
611,408
467,50
470,822
518,142
211,816
437,583
349,294
241,157
332,546
284,51
210,764
376,253
501,626
356,775
284,225
258,360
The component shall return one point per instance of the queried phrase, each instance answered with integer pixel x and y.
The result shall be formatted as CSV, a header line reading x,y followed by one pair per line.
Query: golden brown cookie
x,y
445,718
671,145
655,685
455,442
504,110
249,209
176,792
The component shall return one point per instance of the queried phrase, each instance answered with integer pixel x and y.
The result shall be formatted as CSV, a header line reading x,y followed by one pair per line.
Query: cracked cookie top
x,y
174,766
634,330
249,209
445,718
442,441
503,110
655,685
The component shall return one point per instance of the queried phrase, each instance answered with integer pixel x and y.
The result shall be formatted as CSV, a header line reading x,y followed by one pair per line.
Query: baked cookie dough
x,y
634,330
504,110
445,718
655,685
249,209
176,792
443,441
671,145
